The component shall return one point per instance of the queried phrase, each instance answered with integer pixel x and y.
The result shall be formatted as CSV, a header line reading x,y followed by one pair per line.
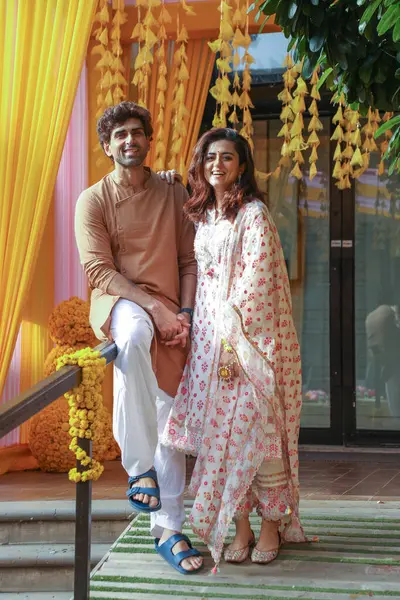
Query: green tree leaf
x,y
396,32
368,14
316,43
388,125
292,10
324,77
389,19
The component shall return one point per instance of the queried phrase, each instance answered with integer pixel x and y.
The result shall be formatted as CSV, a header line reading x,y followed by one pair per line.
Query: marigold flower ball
x,y
69,324
49,438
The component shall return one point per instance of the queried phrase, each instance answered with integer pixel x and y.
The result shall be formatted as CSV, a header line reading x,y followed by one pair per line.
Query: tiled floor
x,y
320,478
328,480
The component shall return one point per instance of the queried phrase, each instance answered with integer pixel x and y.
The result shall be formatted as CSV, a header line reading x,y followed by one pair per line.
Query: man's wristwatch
x,y
189,311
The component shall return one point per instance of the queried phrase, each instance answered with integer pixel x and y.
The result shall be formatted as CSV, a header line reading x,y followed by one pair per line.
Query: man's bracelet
x,y
189,311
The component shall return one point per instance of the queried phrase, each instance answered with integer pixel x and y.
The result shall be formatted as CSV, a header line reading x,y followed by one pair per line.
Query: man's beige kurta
x,y
145,237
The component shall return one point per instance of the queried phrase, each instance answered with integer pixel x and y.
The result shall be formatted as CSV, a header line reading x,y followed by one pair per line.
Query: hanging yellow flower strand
x,y
297,144
349,159
145,57
238,40
161,87
352,137
338,136
119,83
181,76
369,144
139,33
286,116
245,102
85,402
315,124
223,44
103,97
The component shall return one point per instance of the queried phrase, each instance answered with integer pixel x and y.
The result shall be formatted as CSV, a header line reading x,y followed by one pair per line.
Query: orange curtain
x,y
42,48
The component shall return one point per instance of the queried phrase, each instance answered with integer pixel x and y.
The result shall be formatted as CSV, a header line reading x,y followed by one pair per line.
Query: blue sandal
x,y
165,551
133,490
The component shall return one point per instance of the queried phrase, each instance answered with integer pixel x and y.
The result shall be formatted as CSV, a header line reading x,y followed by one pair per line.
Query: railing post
x,y
83,530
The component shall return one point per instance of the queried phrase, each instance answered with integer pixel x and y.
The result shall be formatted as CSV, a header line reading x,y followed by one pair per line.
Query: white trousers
x,y
140,413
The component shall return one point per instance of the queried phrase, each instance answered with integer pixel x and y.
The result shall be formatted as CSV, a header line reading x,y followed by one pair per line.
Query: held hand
x,y
170,176
166,322
183,337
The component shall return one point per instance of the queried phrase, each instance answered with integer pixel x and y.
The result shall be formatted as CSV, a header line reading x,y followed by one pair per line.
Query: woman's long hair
x,y
202,194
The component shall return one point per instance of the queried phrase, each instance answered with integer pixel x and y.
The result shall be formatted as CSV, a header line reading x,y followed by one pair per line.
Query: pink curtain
x,y
12,389
69,279
72,179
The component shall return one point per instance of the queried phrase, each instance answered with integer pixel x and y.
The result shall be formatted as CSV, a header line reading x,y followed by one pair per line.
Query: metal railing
x,y
25,406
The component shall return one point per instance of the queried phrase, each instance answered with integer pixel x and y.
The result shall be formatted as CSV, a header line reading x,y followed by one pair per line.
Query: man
x,y
383,343
136,247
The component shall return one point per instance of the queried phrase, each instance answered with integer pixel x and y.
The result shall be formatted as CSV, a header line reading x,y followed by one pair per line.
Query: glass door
x,y
377,301
305,216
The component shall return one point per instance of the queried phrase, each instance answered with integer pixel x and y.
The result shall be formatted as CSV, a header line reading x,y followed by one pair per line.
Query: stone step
x,y
41,567
35,596
54,522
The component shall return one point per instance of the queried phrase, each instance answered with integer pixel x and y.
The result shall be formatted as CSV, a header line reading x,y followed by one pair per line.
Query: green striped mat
x,y
357,555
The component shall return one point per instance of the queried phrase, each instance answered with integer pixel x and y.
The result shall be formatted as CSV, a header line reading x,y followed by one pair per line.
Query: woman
x,y
238,405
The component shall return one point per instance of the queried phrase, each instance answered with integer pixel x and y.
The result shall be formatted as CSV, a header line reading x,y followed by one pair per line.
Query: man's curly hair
x,y
118,114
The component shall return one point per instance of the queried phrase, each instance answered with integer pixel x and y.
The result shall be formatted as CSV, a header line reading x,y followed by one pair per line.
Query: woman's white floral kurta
x,y
243,296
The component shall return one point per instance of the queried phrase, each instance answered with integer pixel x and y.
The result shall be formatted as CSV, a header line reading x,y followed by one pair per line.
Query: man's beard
x,y
132,161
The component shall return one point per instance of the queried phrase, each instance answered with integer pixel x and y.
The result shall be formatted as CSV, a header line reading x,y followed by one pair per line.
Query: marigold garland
x,y
85,403
48,438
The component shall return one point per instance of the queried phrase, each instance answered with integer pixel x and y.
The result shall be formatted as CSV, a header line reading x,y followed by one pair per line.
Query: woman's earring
x,y
239,179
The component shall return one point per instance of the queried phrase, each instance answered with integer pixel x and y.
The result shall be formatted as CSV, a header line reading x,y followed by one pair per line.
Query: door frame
x,y
332,435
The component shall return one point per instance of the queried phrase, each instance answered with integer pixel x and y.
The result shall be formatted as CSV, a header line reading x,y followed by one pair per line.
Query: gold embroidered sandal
x,y
265,557
240,555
